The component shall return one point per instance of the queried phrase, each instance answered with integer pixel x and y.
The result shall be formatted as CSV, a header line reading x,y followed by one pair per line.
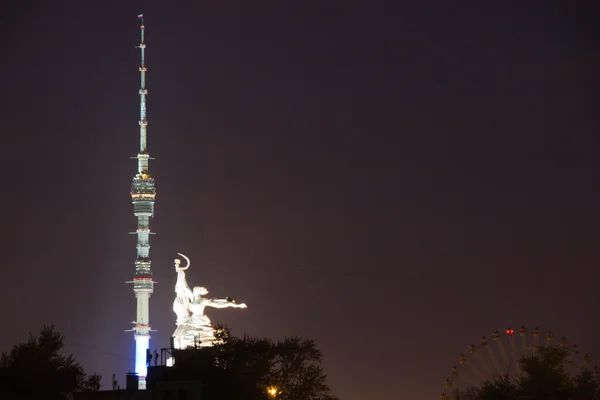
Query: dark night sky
x,y
393,180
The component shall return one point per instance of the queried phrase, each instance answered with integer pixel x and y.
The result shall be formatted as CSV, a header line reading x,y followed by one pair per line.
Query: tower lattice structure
x,y
143,194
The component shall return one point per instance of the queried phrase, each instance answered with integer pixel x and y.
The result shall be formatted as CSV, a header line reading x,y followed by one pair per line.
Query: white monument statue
x,y
193,326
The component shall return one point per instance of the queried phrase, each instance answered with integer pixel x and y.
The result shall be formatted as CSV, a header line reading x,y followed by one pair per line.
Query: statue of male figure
x,y
199,302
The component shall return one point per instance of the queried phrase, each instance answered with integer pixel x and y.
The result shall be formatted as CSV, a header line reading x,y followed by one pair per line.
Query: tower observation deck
x,y
142,197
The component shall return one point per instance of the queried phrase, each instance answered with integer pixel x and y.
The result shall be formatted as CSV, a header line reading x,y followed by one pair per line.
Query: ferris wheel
x,y
499,356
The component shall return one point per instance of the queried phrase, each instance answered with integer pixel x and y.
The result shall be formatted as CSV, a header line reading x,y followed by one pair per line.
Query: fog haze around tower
x,y
394,180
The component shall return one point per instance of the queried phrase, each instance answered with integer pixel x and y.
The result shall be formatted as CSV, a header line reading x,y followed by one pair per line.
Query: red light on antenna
x,y
509,332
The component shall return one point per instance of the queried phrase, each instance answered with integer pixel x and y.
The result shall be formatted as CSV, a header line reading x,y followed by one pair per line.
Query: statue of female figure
x,y
181,304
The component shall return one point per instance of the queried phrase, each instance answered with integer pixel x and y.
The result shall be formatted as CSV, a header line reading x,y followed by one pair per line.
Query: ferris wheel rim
x,y
497,336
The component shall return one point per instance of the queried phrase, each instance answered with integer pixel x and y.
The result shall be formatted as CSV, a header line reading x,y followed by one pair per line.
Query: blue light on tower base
x,y
142,344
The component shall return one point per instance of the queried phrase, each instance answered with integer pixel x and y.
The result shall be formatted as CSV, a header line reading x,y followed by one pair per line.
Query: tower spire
x,y
142,164
142,196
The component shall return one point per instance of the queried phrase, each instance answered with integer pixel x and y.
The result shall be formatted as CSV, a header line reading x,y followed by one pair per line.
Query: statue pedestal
x,y
193,338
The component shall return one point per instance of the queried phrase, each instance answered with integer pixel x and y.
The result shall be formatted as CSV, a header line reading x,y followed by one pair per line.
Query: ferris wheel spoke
x,y
466,379
485,365
477,372
536,339
498,340
474,352
464,361
514,351
494,361
523,334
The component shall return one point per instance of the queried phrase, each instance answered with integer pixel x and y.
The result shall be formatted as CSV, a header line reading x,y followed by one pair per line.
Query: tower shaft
x,y
142,196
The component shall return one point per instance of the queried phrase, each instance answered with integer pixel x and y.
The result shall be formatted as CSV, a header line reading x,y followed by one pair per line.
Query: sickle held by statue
x,y
187,261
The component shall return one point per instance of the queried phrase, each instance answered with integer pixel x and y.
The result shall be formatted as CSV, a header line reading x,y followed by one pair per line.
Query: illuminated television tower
x,y
142,197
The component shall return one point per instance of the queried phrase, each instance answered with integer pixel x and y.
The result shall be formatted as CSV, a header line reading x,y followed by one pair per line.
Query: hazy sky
x,y
395,180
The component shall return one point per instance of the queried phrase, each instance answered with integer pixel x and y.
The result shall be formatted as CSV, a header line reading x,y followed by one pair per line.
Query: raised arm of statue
x,y
224,303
